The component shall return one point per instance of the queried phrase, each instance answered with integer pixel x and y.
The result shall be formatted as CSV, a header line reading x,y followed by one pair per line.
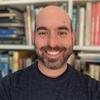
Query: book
x,y
97,19
74,19
97,72
94,70
77,64
32,8
65,6
7,31
28,25
88,24
11,25
8,14
4,64
11,32
15,61
20,59
78,24
81,25
12,40
93,24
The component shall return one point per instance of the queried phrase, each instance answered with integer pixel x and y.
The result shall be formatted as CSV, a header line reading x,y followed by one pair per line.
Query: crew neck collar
x,y
43,78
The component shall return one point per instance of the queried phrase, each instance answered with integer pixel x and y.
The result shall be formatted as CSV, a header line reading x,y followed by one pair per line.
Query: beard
x,y
53,63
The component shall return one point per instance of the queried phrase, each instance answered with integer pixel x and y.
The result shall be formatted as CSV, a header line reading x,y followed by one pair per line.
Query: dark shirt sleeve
x,y
98,95
5,89
93,89
98,92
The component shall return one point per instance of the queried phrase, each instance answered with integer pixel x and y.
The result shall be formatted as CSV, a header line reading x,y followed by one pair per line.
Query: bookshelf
x,y
83,10
20,4
86,25
38,2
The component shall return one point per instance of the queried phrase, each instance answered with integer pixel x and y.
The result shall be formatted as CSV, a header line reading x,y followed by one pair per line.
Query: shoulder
x,y
83,78
15,82
87,83
19,76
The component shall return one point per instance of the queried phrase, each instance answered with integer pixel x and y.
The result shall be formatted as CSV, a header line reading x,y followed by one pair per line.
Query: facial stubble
x,y
54,63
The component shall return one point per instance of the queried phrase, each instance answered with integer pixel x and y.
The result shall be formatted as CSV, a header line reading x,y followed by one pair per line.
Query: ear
x,y
74,37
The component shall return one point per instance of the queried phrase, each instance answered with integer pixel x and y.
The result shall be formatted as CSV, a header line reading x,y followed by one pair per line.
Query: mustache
x,y
56,48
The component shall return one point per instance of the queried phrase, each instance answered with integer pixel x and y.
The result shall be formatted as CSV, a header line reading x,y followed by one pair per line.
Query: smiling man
x,y
50,78
53,40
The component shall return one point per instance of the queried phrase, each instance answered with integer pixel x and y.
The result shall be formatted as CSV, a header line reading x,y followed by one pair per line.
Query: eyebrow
x,y
59,28
41,28
63,27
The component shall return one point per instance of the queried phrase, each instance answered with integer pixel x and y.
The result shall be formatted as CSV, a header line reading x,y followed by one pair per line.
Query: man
x,y
50,78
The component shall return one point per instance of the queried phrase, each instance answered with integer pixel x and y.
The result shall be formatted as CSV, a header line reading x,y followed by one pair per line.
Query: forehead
x,y
52,17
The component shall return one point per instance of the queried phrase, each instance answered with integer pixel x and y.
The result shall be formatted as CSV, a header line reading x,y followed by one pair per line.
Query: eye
x,y
62,32
42,32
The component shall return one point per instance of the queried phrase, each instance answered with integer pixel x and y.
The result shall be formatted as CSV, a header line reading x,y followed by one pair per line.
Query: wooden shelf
x,y
16,47
27,47
5,2
87,48
89,55
86,0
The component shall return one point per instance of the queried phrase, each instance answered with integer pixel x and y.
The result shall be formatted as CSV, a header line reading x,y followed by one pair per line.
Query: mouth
x,y
52,54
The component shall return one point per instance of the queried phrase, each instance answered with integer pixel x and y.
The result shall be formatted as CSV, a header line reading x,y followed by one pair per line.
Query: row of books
x,y
11,26
86,23
16,22
88,64
93,70
11,61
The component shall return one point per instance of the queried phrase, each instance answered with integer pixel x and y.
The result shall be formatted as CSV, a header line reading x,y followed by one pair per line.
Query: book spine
x,y
28,24
4,64
74,19
93,20
16,61
88,24
81,27
98,27
33,17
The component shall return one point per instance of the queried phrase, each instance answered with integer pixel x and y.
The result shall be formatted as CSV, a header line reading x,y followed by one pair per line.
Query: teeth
x,y
52,52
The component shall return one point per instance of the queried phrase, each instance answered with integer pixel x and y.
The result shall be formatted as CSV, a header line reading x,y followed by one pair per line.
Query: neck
x,y
50,72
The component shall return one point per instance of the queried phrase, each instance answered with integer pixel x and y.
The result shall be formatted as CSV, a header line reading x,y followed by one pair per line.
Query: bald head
x,y
51,14
54,10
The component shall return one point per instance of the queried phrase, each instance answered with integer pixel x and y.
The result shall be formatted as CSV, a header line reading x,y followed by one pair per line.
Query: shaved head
x,y
53,12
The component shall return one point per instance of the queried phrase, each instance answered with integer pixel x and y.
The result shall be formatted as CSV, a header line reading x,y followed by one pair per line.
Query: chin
x,y
54,65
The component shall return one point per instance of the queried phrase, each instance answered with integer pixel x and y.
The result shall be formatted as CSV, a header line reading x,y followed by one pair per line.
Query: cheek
x,y
66,42
40,42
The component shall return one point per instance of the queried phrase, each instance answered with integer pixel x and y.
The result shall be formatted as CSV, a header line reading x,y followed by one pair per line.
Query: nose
x,y
52,40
